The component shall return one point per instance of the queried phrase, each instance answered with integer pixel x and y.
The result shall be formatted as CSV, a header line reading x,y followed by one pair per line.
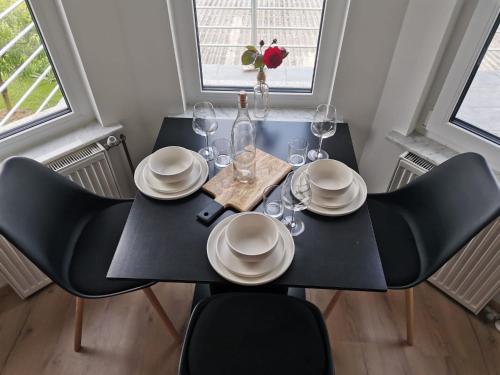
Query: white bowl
x,y
243,268
329,178
251,236
171,164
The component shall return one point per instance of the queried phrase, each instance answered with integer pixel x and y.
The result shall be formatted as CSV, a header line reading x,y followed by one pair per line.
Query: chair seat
x,y
94,251
256,333
396,244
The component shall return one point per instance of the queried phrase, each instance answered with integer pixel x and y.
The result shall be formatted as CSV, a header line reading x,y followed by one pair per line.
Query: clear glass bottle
x,y
243,143
261,96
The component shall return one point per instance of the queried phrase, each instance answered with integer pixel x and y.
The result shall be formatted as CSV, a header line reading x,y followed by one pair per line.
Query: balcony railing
x,y
10,78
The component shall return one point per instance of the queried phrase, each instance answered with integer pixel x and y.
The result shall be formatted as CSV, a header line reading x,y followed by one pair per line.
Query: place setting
x,y
172,172
336,189
323,186
175,172
250,248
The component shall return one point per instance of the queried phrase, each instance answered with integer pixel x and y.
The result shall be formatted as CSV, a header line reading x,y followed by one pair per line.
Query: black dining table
x,y
164,241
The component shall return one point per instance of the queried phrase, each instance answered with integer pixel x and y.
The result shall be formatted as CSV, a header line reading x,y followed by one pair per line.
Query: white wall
x,y
370,37
126,51
416,59
448,56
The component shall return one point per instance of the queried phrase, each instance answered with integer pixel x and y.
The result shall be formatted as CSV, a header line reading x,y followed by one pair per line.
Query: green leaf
x,y
258,63
251,48
248,57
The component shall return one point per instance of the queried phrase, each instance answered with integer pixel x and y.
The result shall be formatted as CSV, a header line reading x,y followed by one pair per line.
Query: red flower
x,y
273,57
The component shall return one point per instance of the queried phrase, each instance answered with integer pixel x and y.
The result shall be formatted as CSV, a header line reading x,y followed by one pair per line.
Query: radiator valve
x,y
112,141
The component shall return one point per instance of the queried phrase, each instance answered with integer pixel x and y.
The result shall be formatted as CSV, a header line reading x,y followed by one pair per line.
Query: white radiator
x,y
472,276
89,167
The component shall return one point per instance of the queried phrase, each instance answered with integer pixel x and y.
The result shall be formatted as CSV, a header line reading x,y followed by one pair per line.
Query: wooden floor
x,y
122,335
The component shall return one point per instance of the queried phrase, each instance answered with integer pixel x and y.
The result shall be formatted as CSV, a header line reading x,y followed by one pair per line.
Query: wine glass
x,y
323,125
296,195
205,124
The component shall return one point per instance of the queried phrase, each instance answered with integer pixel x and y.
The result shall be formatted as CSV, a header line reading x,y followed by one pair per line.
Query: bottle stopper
x,y
243,99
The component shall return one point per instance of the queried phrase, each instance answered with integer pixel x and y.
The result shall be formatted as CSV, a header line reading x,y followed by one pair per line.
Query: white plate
x,y
248,269
289,247
173,187
144,188
341,211
340,201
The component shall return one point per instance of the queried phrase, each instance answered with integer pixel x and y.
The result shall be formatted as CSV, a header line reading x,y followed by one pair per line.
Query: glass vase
x,y
261,96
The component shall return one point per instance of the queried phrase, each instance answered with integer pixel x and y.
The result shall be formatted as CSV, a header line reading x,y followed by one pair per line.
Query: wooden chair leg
x,y
78,323
410,316
332,303
163,315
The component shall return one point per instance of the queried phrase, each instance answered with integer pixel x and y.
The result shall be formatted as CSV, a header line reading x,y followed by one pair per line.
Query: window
x,y
47,95
211,35
29,85
224,28
478,108
451,121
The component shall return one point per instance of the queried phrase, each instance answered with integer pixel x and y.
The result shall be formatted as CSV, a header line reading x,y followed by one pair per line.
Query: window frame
x,y
52,26
187,53
439,126
254,42
462,123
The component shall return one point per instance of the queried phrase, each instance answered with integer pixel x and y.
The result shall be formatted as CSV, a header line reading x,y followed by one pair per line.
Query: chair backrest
x,y
221,321
43,213
446,207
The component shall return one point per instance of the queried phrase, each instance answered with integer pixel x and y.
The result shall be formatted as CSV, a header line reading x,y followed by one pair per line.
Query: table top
x,y
163,241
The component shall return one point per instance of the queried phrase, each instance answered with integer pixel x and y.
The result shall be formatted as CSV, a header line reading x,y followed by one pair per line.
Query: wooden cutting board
x,y
229,193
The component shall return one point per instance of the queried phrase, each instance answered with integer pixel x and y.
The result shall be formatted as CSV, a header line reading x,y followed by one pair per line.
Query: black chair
x,y
67,232
420,226
256,333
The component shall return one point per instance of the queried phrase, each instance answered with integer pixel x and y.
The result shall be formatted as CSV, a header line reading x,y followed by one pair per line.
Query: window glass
x,y
29,86
226,27
478,109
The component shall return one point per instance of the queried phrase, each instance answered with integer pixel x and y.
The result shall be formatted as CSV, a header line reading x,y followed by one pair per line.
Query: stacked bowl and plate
x,y
171,173
336,189
250,248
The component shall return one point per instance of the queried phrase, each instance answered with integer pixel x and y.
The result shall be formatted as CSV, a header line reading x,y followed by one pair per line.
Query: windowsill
x,y
46,151
424,147
275,114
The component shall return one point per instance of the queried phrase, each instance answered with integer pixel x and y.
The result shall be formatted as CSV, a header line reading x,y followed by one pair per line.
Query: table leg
x,y
410,316
332,303
297,293
78,323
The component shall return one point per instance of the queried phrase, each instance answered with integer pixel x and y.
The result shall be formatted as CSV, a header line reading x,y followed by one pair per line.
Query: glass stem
x,y
206,142
320,144
292,220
